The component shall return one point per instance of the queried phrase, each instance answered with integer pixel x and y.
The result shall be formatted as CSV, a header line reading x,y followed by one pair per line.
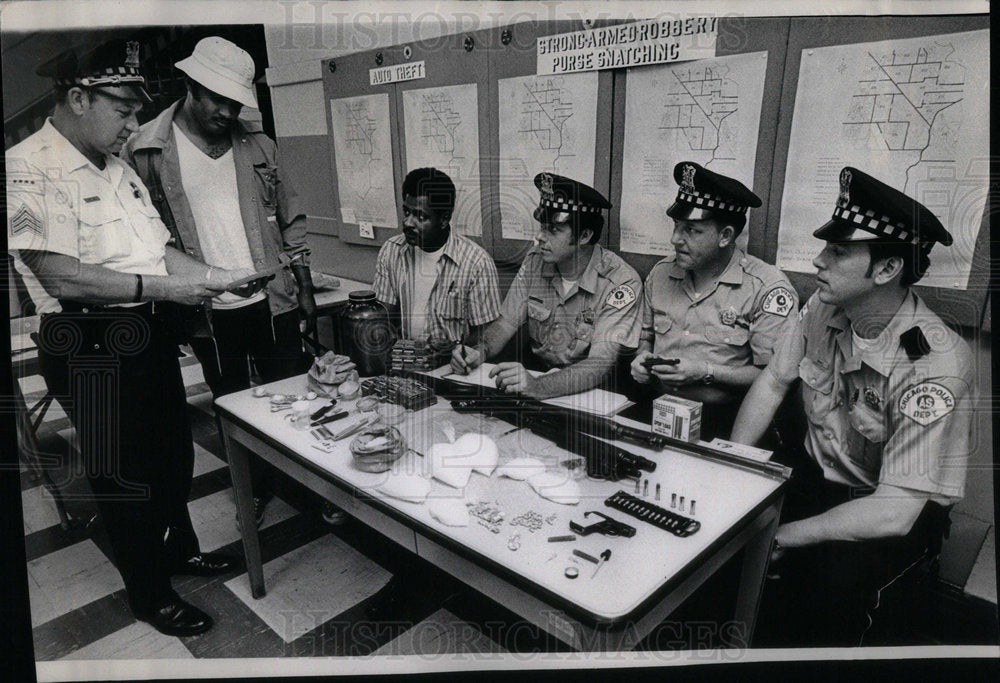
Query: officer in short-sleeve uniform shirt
x,y
596,315
587,320
81,219
886,393
726,321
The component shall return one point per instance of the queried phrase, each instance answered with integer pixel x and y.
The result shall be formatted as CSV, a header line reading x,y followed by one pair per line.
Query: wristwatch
x,y
708,377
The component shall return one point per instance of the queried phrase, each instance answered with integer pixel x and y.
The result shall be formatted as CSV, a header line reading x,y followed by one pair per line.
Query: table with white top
x,y
646,578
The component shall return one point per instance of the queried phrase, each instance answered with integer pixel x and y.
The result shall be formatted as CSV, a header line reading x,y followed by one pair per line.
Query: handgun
x,y
653,361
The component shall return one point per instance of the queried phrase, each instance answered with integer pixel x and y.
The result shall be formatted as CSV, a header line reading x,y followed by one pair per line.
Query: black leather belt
x,y
147,308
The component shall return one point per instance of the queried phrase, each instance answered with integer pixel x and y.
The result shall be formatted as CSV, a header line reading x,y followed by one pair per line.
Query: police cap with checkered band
x,y
704,194
112,66
868,210
562,198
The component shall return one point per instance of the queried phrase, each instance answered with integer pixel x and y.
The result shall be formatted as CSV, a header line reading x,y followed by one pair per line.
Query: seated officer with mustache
x,y
581,301
712,309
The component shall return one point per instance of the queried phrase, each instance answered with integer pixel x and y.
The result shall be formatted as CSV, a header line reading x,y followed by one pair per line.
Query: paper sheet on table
x,y
596,401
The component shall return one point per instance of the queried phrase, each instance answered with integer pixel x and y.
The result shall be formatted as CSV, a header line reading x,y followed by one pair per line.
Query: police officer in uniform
x,y
82,222
580,301
713,310
886,393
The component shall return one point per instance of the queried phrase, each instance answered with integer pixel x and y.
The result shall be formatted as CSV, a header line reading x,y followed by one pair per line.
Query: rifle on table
x,y
496,400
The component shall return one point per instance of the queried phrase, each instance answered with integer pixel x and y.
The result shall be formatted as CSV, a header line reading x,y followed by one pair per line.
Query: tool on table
x,y
339,415
653,361
585,556
353,429
657,491
676,524
608,526
323,410
645,488
278,409
571,572
605,556
561,539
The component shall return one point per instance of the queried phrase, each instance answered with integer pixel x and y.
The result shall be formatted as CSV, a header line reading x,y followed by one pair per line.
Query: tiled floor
x,y
323,581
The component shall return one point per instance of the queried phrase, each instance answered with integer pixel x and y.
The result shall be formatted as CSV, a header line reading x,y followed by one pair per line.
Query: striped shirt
x,y
466,290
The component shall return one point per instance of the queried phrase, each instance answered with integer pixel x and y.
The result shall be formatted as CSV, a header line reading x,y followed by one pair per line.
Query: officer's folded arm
x,y
888,512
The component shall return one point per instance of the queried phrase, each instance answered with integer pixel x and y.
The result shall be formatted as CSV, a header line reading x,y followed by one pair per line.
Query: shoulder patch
x,y
25,220
926,402
620,297
779,301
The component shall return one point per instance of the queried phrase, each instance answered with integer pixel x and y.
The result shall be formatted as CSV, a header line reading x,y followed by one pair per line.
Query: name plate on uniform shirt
x,y
394,74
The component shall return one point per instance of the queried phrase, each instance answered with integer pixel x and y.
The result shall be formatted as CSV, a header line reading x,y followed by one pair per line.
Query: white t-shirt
x,y
567,285
212,193
424,276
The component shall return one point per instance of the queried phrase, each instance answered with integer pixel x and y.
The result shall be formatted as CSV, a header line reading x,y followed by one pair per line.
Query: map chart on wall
x,y
547,123
442,131
363,152
913,113
706,111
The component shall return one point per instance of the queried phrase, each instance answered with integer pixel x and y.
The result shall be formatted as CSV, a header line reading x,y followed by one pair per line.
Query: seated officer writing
x,y
580,301
886,391
436,284
714,311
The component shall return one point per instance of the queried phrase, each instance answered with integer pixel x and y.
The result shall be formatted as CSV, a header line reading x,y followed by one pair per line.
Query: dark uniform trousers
x,y
115,371
828,594
245,333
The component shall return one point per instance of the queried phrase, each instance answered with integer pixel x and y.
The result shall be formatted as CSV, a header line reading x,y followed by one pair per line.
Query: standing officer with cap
x,y
81,220
885,386
581,302
713,310
219,190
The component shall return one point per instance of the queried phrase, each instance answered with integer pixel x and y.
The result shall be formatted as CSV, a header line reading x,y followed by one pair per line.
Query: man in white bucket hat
x,y
214,179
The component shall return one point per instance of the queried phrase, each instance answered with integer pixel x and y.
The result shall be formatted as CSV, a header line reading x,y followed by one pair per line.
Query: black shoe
x,y
207,564
176,618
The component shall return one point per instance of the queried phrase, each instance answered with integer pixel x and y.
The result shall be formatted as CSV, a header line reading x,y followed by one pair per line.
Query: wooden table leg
x,y
755,559
239,469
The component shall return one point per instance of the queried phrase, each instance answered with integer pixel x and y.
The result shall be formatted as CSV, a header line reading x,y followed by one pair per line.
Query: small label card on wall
x,y
397,73
365,229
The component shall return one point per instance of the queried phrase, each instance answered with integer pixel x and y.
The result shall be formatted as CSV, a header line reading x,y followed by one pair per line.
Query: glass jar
x,y
365,333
